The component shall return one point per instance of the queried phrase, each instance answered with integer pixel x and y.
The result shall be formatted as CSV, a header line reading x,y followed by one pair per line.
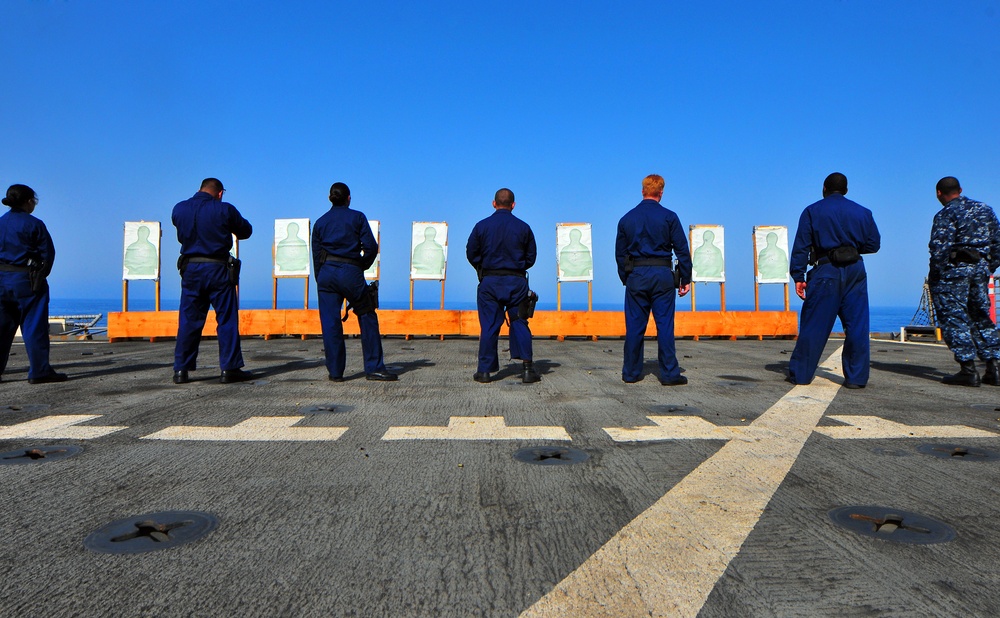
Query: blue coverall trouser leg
x,y
833,291
205,284
19,306
335,282
650,288
962,306
495,296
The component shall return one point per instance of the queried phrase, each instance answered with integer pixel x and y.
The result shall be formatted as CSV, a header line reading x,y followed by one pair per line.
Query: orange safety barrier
x,y
304,322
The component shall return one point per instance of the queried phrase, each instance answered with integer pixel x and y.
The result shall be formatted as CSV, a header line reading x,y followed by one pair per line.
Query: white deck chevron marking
x,y
254,429
59,426
872,427
667,561
477,428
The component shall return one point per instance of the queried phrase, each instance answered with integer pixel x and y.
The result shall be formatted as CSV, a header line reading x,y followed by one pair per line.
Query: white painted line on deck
x,y
859,428
676,428
667,561
254,429
58,426
477,428
872,427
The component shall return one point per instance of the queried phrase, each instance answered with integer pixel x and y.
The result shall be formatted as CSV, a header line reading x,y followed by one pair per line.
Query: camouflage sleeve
x,y
942,237
994,257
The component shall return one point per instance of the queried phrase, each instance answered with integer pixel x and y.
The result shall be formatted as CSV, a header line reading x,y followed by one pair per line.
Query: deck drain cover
x,y
24,407
989,407
38,454
150,532
323,408
955,451
888,524
674,409
551,456
891,452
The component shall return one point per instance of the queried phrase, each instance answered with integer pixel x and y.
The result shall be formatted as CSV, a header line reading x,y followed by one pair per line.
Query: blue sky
x,y
116,110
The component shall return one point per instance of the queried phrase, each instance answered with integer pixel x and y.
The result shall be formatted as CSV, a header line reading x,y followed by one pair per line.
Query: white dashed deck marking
x,y
667,561
254,429
477,428
61,426
873,427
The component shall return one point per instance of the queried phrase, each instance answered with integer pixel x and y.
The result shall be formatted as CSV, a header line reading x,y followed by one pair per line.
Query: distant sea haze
x,y
883,319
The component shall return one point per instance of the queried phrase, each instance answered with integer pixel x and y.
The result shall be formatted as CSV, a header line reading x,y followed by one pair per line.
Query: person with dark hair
x,y
343,247
965,251
649,236
502,248
26,256
209,275
832,236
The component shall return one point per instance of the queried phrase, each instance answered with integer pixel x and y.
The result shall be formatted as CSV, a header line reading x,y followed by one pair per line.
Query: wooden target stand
x,y
274,289
590,303
722,302
412,280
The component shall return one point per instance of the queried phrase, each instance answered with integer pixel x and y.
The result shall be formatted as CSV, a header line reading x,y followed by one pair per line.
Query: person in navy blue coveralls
x,y
343,247
24,240
502,249
835,287
205,228
648,237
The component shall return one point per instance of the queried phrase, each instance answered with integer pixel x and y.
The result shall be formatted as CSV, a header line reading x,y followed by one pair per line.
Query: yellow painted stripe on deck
x,y
667,561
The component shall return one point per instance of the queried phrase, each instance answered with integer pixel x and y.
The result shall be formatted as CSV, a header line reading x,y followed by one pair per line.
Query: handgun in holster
x,y
526,308
36,274
368,302
233,266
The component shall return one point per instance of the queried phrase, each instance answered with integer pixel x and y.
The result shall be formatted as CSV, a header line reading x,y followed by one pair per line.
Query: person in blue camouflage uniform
x,y
648,237
965,250
502,248
832,235
343,247
24,241
205,229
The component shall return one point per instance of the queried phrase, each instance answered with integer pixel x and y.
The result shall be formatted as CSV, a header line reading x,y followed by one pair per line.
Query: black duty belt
x,y
503,272
14,268
826,260
207,260
652,262
353,262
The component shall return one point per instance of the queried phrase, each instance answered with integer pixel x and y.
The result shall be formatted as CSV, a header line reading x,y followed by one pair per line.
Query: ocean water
x,y
883,319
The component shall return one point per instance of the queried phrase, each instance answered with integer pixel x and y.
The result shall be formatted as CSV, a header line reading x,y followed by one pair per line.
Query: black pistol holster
x,y
629,264
36,274
526,308
233,266
368,302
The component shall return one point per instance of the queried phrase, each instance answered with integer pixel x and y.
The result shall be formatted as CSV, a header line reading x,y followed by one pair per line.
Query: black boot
x,y
966,376
529,376
992,373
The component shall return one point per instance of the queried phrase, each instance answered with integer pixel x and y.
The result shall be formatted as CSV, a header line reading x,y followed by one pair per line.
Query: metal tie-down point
x,y
151,532
322,408
955,451
888,524
38,454
551,456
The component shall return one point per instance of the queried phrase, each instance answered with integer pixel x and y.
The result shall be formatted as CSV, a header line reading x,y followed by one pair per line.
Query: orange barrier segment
x,y
276,322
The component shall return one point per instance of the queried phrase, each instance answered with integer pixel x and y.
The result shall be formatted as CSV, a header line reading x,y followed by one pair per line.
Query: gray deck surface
x,y
363,526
